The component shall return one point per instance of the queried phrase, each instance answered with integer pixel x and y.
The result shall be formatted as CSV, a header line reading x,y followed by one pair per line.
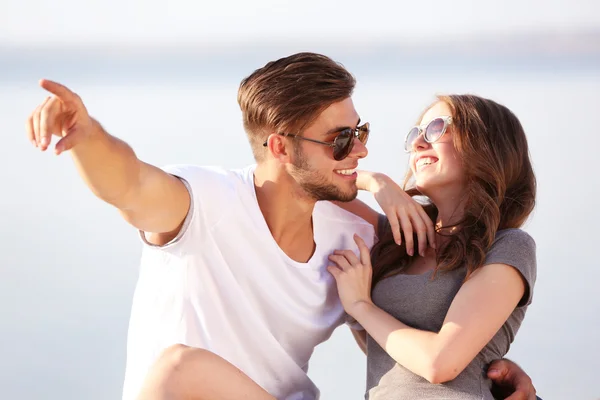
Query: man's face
x,y
313,166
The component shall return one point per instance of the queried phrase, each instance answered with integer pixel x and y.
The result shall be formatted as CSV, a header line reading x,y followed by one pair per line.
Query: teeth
x,y
345,171
426,161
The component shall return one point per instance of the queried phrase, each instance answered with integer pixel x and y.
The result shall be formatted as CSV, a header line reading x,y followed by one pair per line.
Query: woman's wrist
x,y
360,308
371,181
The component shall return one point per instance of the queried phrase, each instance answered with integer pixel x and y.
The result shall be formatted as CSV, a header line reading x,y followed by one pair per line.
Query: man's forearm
x,y
108,166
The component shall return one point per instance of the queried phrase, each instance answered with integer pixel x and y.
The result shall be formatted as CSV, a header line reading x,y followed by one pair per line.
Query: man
x,y
233,266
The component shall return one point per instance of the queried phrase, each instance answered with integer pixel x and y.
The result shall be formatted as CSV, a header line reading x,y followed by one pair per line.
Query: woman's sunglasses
x,y
432,132
343,143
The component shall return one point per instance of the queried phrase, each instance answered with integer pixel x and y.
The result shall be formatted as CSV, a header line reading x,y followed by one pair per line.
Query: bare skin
x,y
206,376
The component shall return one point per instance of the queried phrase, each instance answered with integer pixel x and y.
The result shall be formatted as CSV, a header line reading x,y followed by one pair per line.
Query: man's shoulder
x,y
196,169
206,174
336,227
337,215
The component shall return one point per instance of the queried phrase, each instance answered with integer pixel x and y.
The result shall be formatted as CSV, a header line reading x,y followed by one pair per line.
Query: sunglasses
x,y
432,132
343,143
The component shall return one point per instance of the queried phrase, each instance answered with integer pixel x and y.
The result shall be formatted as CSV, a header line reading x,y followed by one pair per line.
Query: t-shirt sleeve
x,y
516,248
207,187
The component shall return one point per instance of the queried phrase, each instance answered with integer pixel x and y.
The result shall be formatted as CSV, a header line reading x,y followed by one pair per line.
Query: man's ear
x,y
277,145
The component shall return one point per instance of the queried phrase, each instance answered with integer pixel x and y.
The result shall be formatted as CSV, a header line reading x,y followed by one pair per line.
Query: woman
x,y
436,320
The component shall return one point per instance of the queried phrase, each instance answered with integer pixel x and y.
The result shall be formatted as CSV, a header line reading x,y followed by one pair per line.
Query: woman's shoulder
x,y
513,236
516,248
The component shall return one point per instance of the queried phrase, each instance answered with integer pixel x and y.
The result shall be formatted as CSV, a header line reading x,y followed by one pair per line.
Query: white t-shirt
x,y
225,285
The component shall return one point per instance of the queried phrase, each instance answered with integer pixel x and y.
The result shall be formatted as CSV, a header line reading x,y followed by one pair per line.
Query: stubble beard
x,y
315,185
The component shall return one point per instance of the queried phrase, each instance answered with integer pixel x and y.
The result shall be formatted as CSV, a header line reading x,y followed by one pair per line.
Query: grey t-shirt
x,y
422,303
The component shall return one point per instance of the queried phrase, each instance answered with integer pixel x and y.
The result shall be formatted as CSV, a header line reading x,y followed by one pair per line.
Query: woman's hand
x,y
353,275
403,212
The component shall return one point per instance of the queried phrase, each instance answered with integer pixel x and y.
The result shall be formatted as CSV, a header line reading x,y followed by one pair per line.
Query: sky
x,y
36,22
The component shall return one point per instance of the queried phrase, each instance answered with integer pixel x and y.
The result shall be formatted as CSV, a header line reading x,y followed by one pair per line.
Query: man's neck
x,y
287,211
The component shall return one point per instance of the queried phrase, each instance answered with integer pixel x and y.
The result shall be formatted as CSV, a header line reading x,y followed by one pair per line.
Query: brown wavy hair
x,y
501,188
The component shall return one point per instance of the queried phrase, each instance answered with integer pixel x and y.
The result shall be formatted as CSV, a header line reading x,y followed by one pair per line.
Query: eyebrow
x,y
340,128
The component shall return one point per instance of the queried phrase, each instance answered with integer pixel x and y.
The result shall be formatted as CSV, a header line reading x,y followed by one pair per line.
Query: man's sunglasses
x,y
343,143
432,132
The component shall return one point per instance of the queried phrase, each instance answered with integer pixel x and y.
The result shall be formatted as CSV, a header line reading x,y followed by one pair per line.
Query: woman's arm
x,y
479,309
371,182
403,212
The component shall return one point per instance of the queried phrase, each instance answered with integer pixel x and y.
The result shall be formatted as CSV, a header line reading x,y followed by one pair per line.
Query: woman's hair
x,y
500,193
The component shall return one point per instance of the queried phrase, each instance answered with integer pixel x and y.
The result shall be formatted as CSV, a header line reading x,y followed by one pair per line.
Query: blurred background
x,y
164,77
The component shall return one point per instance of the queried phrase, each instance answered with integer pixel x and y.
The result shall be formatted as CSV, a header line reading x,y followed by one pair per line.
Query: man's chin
x,y
348,196
342,193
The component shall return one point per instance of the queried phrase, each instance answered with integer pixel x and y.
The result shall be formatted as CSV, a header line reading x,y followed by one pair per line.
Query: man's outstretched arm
x,y
147,197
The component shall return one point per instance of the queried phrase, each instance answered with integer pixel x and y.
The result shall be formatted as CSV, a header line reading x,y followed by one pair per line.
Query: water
x,y
69,263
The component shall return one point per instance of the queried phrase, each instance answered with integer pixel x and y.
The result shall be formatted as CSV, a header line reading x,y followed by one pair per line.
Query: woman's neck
x,y
449,214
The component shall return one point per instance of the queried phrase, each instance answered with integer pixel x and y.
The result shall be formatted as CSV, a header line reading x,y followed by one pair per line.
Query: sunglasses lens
x,y
343,144
434,130
410,138
363,133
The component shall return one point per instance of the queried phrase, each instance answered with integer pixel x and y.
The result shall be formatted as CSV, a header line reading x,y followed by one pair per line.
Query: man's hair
x,y
287,95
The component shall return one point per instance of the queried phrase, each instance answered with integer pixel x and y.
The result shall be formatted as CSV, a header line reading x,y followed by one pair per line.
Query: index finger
x,y
60,91
395,226
365,256
429,226
421,231
407,229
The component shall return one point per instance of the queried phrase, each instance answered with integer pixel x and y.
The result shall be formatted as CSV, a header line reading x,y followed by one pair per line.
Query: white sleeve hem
x,y
184,227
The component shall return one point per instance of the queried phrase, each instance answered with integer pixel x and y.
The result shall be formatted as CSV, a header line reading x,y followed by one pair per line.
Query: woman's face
x,y
436,167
